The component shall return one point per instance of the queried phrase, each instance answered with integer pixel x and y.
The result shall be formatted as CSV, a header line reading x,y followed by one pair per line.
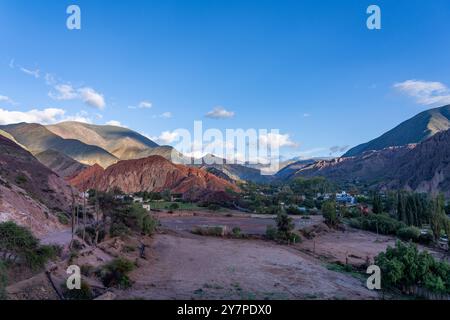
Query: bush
x,y
114,274
21,179
404,267
62,218
84,293
214,231
271,232
174,206
380,223
18,245
426,238
292,210
409,234
213,207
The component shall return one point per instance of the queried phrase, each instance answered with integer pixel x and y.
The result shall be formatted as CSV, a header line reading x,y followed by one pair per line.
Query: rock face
x,y
415,130
424,167
153,174
30,193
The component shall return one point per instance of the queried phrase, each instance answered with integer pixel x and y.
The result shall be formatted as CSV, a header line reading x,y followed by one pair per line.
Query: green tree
x,y
377,203
330,213
437,219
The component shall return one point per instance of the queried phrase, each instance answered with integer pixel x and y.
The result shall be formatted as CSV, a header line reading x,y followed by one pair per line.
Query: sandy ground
x,y
185,266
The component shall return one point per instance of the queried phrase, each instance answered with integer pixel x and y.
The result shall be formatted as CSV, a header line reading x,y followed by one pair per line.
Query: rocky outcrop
x,y
30,193
153,174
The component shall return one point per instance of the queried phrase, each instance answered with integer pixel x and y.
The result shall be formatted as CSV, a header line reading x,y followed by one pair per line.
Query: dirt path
x,y
192,267
61,238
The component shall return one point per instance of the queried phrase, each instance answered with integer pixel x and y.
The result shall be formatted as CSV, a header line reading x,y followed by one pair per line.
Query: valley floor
x,y
185,266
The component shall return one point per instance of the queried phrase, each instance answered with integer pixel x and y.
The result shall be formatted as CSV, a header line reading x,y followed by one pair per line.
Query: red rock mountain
x,y
153,174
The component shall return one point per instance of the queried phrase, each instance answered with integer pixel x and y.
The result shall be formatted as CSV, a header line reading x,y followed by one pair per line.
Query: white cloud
x,y
45,116
6,99
220,113
63,92
276,139
425,92
164,115
34,73
166,137
92,98
142,105
145,105
115,124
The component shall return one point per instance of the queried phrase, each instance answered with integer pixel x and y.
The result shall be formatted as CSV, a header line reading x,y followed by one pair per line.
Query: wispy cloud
x,y
220,113
425,92
142,105
63,92
164,115
6,99
34,73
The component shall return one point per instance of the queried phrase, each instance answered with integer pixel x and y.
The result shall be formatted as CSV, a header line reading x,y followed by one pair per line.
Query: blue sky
x,y
309,68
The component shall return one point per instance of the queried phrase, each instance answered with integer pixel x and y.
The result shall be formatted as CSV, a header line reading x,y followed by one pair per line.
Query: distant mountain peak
x,y
417,129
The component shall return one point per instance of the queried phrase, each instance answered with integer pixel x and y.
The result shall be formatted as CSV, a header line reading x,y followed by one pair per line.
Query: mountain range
x,y
423,166
415,130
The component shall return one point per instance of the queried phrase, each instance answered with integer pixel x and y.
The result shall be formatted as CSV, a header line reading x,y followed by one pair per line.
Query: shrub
x,y
87,270
119,229
426,238
271,232
114,274
404,267
214,231
62,218
21,179
380,223
213,207
18,245
292,210
174,206
236,232
84,293
409,234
